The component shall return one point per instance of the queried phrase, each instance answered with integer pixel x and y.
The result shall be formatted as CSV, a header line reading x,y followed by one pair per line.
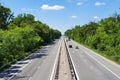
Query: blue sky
x,y
64,14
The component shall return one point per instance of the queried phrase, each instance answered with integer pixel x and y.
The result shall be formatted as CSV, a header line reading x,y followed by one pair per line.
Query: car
x,y
70,46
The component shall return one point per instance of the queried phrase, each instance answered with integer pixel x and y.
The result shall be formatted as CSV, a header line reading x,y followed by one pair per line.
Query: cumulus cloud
x,y
73,17
55,7
96,17
79,3
99,3
28,9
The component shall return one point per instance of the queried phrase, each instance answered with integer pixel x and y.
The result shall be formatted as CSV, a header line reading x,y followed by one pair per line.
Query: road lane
x,y
90,69
113,67
38,66
44,71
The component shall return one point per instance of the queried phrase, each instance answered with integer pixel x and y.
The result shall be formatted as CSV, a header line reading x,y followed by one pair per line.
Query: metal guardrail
x,y
58,65
55,72
72,70
72,67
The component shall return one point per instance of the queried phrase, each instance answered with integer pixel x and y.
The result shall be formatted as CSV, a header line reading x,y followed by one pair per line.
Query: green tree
x,y
5,17
22,36
103,36
22,20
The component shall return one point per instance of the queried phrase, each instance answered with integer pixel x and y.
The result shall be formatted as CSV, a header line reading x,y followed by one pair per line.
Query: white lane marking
x,y
78,78
103,58
55,63
82,46
102,65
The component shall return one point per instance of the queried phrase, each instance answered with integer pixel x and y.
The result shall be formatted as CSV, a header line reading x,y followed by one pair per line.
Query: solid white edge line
x,y
97,60
78,78
102,65
55,62
108,60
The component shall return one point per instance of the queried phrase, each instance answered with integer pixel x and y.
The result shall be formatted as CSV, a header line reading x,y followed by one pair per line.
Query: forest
x,y
102,36
21,35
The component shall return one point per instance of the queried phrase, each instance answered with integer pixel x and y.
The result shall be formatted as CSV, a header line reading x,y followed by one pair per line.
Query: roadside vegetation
x,y
20,35
102,36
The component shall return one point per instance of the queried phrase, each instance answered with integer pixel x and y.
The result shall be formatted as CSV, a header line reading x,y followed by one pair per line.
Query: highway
x,y
91,66
38,66
43,64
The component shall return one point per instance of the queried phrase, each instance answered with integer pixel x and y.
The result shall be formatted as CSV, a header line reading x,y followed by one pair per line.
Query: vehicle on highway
x,y
70,46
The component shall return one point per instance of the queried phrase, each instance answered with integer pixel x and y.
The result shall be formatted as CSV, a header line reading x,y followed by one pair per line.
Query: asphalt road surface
x,y
38,66
41,64
91,66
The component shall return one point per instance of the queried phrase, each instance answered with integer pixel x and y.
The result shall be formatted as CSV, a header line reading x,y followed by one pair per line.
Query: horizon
x,y
63,15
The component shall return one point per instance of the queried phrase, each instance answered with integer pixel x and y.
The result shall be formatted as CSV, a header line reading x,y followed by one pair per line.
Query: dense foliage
x,y
5,16
22,20
103,36
21,35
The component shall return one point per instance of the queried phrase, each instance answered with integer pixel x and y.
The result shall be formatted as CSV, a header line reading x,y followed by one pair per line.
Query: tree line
x,y
22,34
102,36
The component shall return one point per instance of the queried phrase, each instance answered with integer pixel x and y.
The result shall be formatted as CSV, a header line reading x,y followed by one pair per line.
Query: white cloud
x,y
79,3
99,4
28,9
55,7
23,9
73,17
96,17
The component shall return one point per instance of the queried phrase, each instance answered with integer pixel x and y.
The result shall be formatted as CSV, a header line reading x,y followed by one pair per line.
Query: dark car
x,y
70,46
